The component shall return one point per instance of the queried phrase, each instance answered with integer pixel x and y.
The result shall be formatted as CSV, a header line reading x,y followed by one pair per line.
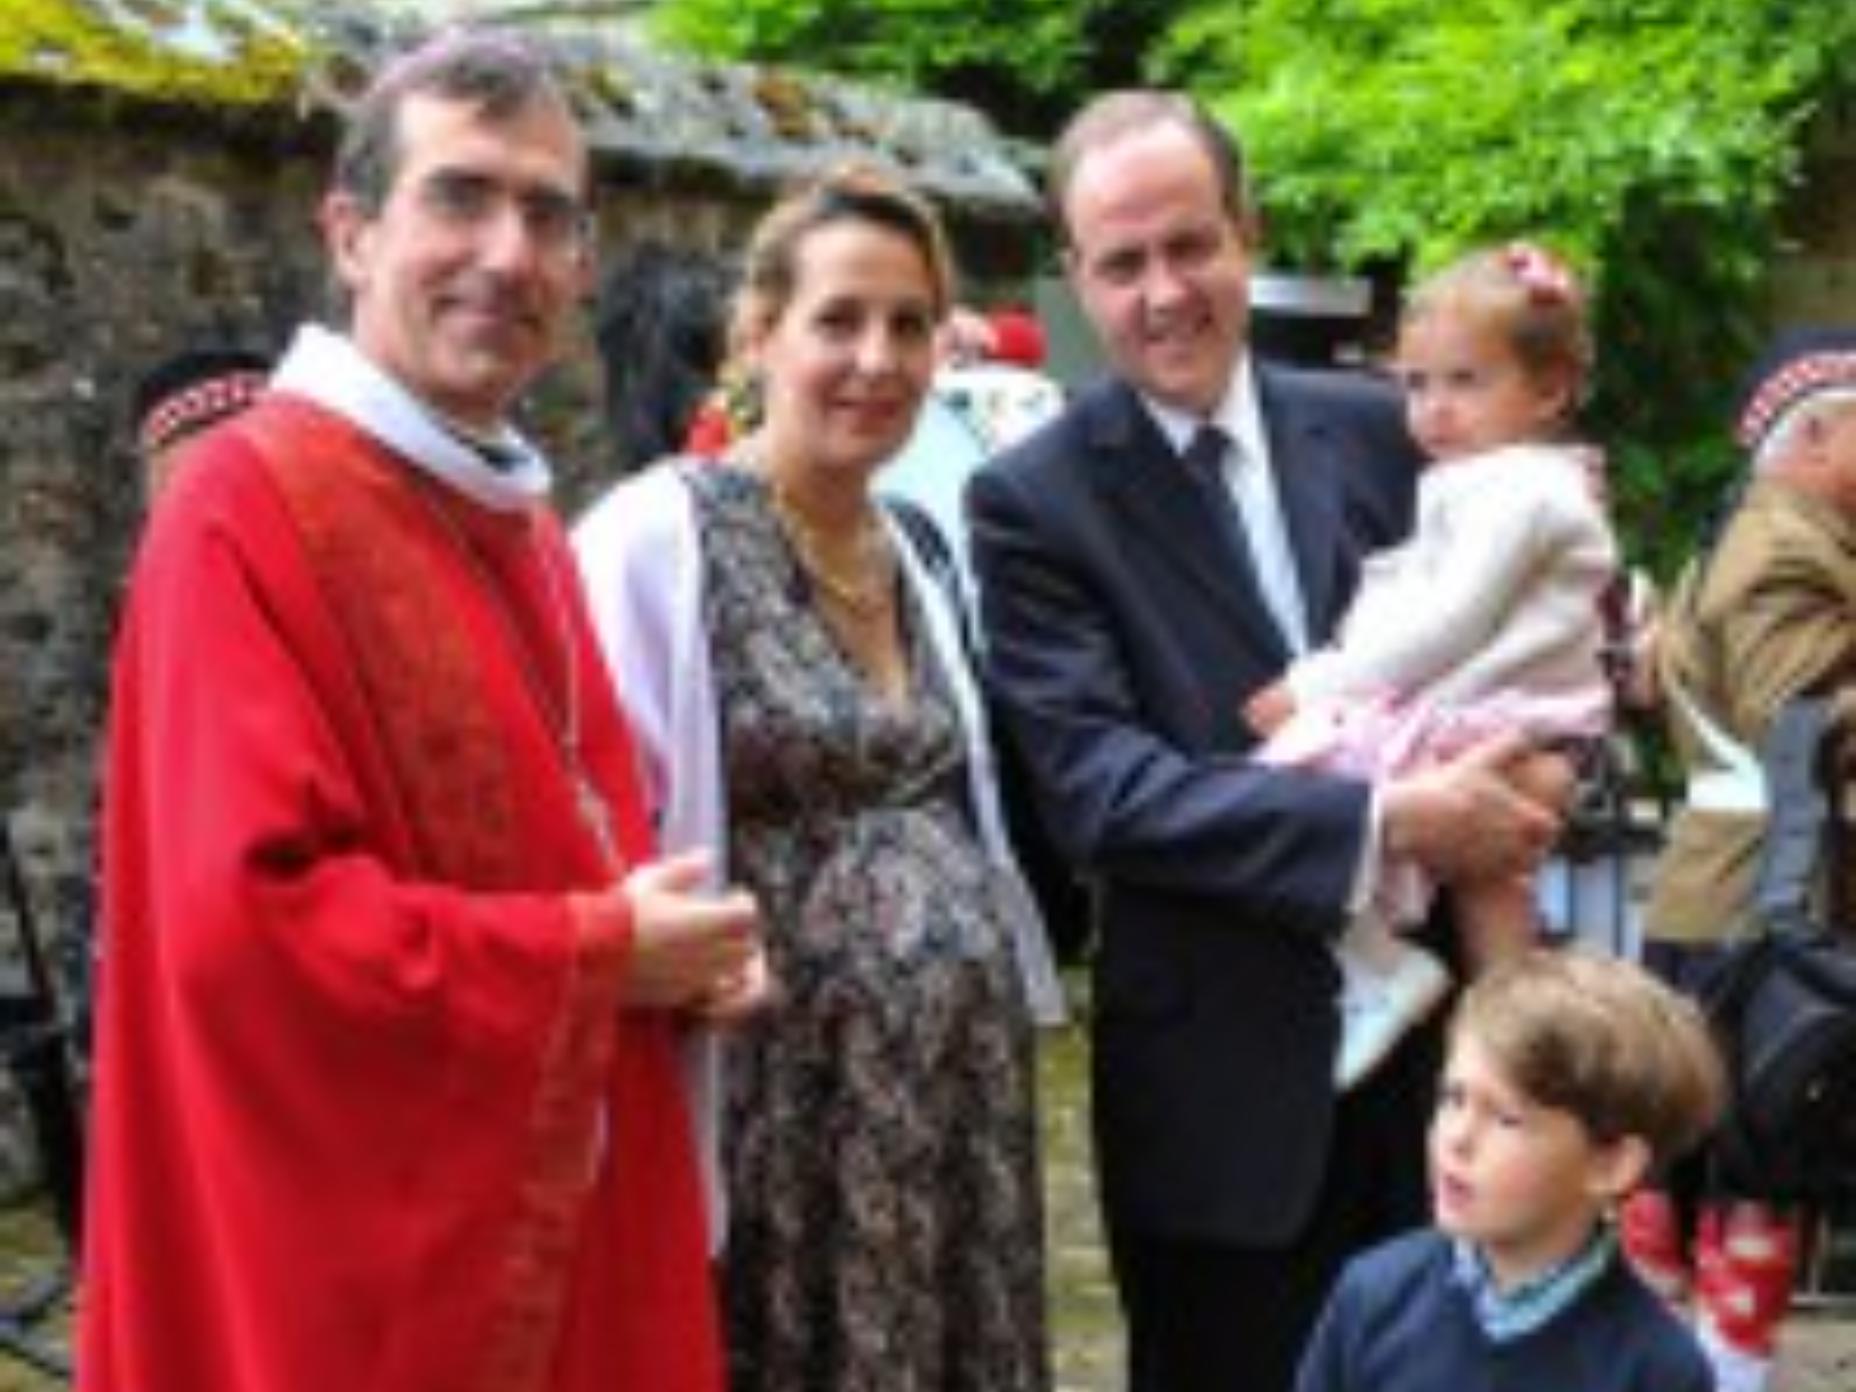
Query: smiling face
x,y
1523,1182
462,278
1160,264
846,359
1466,390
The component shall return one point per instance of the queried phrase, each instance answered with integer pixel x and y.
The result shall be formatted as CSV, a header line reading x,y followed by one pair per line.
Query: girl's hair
x,y
857,191
1524,293
1602,1039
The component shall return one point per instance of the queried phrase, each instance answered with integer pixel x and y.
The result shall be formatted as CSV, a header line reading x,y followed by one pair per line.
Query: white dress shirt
x,y
1251,483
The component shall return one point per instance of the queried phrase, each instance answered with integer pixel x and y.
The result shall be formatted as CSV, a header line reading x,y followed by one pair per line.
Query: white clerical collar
x,y
328,369
1237,415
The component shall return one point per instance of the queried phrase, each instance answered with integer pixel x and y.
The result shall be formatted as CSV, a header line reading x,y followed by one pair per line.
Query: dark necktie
x,y
1204,462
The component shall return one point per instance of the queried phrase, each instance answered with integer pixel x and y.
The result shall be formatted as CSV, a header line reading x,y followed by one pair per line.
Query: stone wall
x,y
116,245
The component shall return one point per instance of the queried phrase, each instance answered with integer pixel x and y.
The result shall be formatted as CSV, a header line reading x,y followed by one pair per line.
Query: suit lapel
x,y
1143,481
1303,459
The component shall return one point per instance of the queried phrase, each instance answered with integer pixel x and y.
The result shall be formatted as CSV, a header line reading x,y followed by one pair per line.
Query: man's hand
x,y
1492,812
692,948
1269,710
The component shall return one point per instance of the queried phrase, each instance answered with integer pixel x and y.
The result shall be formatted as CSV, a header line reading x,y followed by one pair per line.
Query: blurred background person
x,y
659,323
1765,612
183,395
989,391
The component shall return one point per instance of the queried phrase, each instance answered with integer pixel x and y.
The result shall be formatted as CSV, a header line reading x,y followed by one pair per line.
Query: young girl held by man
x,y
1485,620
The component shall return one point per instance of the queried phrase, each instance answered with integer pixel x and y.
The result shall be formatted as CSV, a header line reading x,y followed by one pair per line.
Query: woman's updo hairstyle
x,y
856,191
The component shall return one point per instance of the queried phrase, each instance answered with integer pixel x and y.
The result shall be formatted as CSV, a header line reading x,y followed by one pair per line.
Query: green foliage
x,y
1651,141
1027,63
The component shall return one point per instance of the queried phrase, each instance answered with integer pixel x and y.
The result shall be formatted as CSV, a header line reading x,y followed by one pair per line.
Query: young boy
x,y
1570,1077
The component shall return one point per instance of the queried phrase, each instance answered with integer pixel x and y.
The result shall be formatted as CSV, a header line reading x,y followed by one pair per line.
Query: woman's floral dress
x,y
885,1227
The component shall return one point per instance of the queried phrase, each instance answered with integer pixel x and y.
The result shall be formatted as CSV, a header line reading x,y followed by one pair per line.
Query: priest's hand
x,y
732,999
690,945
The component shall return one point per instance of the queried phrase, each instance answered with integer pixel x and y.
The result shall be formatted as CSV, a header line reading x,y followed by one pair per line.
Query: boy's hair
x,y
1524,293
1602,1039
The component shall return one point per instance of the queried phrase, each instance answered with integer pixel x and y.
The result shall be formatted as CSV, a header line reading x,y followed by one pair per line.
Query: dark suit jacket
x,y
1124,637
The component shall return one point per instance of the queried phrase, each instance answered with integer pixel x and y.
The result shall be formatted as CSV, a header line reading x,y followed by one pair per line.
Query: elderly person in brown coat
x,y
1767,613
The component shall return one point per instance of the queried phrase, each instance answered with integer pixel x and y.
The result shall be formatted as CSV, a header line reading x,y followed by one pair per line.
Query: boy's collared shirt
x,y
1509,1314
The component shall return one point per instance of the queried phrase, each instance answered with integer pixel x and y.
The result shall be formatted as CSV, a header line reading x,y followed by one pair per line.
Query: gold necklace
x,y
867,595
562,720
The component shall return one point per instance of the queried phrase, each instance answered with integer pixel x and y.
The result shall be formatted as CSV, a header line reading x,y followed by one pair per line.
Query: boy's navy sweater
x,y
1398,1322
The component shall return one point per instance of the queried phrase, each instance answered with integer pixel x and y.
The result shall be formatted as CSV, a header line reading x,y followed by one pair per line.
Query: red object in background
x,y
1017,338
710,433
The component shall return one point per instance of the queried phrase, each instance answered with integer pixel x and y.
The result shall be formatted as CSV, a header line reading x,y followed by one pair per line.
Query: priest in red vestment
x,y
386,1093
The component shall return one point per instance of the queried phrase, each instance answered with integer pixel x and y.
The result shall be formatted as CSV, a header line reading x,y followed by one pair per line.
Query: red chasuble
x,y
366,1116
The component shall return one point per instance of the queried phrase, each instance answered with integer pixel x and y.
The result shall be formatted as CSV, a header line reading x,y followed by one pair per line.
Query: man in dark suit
x,y
1139,582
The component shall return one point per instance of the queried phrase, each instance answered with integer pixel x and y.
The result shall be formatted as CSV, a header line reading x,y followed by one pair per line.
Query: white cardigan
x,y
641,560
1496,588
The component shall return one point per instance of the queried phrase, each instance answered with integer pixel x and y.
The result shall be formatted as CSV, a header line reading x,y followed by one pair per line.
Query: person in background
x,y
386,1091
989,392
1003,388
1571,1076
803,696
184,395
1765,612
1487,618
177,400
1132,603
660,326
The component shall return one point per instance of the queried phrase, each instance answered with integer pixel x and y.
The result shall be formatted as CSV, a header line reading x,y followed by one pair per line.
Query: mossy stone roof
x,y
295,59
